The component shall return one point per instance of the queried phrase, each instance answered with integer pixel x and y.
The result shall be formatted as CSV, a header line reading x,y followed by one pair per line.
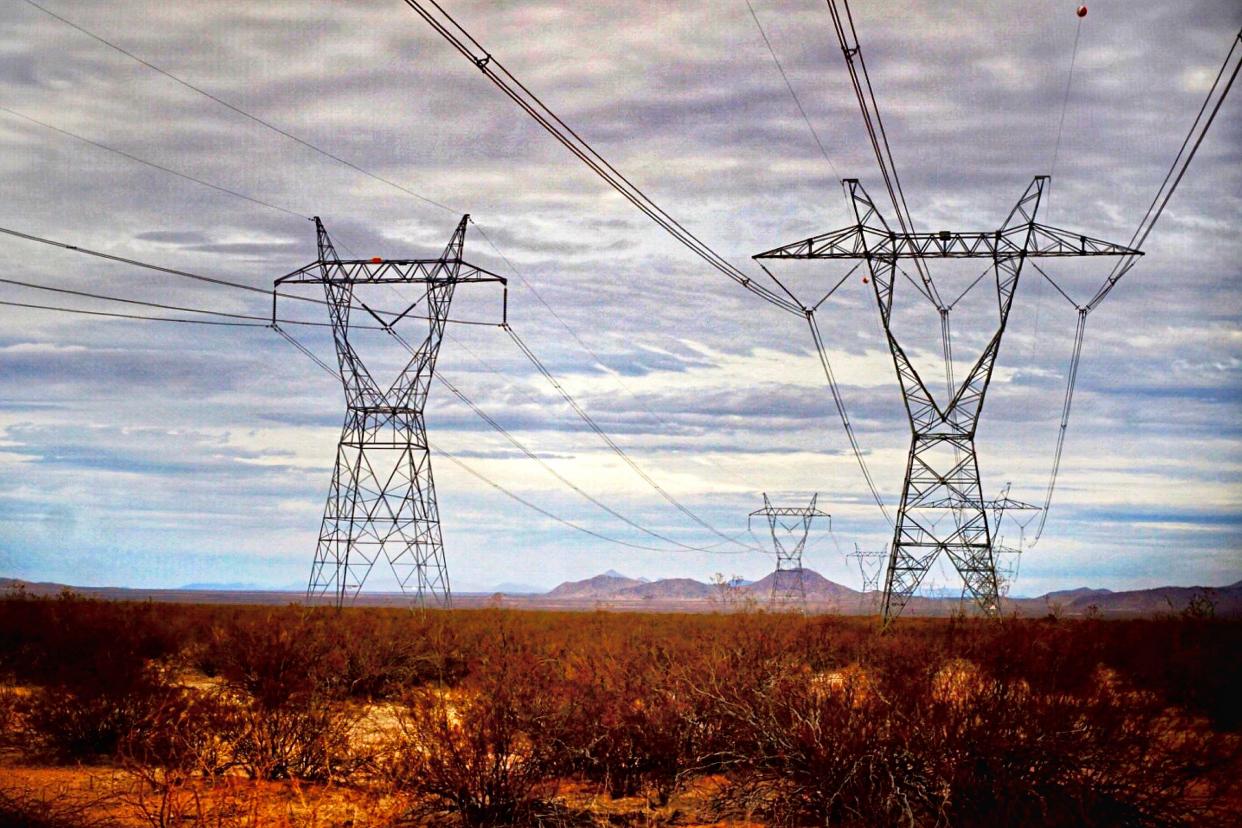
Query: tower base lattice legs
x,y
942,510
381,503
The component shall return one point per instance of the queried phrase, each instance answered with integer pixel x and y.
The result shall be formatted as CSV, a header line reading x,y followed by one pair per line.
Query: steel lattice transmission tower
x,y
788,584
870,567
382,498
942,469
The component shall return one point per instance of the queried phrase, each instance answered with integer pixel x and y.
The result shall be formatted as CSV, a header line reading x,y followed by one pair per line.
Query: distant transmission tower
x,y
788,584
870,567
942,470
382,499
1009,557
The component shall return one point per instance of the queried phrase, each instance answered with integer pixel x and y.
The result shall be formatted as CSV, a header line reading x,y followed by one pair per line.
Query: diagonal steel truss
x,y
788,584
942,468
382,498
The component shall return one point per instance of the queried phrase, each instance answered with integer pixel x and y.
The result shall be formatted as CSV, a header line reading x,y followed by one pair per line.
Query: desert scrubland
x,y
116,713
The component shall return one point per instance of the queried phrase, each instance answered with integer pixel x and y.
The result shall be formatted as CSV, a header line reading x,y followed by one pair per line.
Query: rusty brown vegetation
x,y
216,715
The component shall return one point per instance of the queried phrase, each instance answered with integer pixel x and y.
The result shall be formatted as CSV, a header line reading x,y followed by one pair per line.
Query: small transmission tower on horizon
x,y
870,566
794,523
942,469
382,498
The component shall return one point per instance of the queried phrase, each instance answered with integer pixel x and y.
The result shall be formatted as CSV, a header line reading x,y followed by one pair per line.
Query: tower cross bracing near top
x,y
942,467
382,498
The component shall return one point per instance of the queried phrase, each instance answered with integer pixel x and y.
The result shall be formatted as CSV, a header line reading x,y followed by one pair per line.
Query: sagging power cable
x,y
448,28
227,105
333,157
1069,81
793,94
873,123
133,316
185,274
491,421
845,419
440,451
152,164
603,435
1177,170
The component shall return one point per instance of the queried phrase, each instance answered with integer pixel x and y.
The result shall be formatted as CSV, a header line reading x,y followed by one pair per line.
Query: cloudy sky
x,y
152,454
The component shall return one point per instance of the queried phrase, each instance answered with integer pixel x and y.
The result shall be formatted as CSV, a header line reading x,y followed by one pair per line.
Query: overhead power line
x,y
845,418
1069,82
184,274
159,305
333,157
594,426
789,85
1177,170
507,492
586,418
131,316
233,107
534,507
147,163
491,421
448,28
146,265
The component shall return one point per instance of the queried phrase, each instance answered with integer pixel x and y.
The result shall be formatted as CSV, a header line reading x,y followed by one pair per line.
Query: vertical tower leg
x,y
341,565
415,547
941,510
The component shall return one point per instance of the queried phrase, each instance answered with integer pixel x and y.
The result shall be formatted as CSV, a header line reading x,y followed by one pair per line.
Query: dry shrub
x,y
191,732
87,721
481,753
626,723
12,718
808,720
286,677
930,740
98,667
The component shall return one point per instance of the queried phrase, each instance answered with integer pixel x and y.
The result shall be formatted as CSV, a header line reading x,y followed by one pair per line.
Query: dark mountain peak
x,y
601,586
816,585
1080,592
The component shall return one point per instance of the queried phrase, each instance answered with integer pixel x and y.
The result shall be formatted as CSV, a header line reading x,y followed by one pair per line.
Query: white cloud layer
x,y
147,454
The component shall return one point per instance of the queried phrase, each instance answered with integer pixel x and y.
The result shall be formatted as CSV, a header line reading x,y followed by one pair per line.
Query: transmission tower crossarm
x,y
389,271
789,511
859,241
942,470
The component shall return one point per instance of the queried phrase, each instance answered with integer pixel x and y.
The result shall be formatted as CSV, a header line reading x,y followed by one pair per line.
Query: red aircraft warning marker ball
x,y
376,260
1082,11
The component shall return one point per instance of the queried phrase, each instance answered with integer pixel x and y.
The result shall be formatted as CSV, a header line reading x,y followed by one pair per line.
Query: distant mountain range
x,y
617,591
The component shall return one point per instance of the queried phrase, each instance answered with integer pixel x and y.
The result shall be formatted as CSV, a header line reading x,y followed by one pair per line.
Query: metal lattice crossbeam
x,y
942,509
862,242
